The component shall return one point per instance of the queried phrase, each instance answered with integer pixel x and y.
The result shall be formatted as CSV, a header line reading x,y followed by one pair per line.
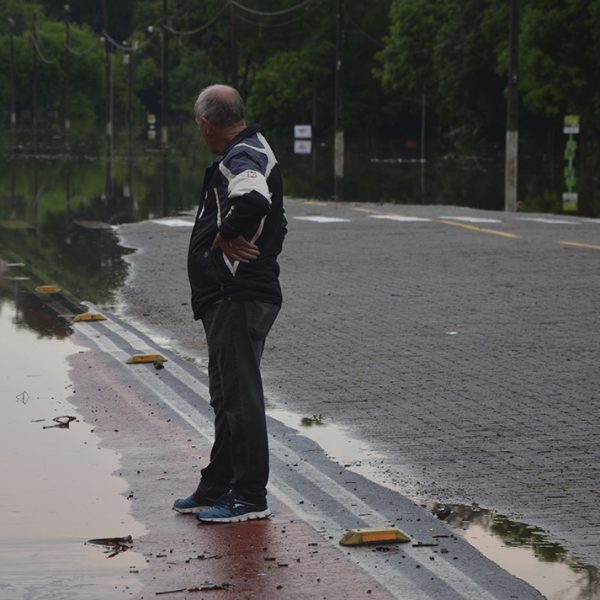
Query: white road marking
x,y
472,219
173,222
321,219
401,218
547,220
389,577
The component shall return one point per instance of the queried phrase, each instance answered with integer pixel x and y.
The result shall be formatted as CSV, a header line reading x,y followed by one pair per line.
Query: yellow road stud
x,y
47,289
89,317
373,535
146,358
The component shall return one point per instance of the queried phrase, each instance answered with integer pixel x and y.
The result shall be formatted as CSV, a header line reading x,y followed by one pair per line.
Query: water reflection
x,y
136,182
545,564
30,310
377,172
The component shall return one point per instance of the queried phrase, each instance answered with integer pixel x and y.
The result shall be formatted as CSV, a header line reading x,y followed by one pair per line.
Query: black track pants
x,y
239,460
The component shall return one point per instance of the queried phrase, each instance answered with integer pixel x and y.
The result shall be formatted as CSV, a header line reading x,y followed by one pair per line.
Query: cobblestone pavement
x,y
465,352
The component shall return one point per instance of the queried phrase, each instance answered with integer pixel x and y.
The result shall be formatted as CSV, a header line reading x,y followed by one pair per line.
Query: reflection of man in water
x,y
234,276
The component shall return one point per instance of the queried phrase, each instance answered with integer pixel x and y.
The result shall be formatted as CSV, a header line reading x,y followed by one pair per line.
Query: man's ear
x,y
206,125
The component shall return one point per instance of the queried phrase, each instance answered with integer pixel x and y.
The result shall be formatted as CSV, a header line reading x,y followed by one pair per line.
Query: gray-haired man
x,y
234,276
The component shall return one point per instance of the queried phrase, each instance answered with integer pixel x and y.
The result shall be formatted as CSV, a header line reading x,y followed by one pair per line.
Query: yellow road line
x,y
580,245
480,229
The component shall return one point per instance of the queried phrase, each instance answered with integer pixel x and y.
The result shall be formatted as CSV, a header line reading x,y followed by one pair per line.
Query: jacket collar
x,y
245,133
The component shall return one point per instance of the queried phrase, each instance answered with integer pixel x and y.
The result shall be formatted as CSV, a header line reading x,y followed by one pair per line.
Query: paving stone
x,y
503,412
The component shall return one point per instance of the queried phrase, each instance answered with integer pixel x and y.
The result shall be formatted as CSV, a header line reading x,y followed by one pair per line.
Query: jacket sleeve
x,y
248,191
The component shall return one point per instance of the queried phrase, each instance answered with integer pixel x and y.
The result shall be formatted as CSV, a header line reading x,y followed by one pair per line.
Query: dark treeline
x,y
281,54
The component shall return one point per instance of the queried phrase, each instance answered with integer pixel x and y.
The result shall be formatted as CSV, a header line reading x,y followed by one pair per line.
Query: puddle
x,y
520,549
331,437
58,487
524,551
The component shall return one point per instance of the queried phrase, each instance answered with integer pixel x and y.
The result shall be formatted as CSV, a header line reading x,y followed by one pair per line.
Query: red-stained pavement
x,y
280,557
161,424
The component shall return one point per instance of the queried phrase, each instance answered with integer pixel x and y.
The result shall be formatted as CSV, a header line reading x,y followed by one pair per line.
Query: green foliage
x,y
457,53
283,89
408,57
557,68
453,51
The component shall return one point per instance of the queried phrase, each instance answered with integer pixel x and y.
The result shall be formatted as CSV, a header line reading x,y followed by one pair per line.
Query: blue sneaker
x,y
192,505
233,510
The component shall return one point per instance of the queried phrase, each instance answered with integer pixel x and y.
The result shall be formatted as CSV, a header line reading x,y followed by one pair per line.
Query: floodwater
x,y
138,182
59,488
56,217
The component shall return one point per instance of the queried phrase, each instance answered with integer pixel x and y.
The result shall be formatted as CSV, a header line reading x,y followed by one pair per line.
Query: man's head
x,y
219,112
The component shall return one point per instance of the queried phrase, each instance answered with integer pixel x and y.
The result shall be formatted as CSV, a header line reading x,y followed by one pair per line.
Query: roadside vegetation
x,y
452,52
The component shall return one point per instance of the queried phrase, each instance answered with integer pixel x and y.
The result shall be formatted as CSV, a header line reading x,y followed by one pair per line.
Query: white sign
x,y
302,146
303,132
571,124
570,196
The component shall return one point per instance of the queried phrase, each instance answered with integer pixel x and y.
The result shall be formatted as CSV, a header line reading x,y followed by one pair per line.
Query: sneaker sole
x,y
195,509
252,516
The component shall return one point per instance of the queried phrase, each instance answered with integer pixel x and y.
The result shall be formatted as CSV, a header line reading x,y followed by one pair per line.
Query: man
x,y
234,276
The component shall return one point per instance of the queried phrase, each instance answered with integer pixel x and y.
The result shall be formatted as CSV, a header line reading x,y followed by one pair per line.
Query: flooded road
x,y
141,182
58,218
59,487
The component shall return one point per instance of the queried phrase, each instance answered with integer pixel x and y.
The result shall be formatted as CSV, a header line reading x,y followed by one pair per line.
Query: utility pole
x,y
164,130
512,115
109,103
13,114
338,145
34,76
66,109
423,109
128,60
233,60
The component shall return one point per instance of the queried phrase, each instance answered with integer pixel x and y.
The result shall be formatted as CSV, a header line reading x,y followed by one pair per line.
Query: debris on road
x,y
61,422
114,545
206,587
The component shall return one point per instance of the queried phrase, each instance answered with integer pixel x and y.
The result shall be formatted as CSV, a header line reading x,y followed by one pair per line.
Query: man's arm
x,y
248,192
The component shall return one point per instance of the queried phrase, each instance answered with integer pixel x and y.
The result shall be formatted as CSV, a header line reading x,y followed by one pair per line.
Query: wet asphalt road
x,y
462,345
161,424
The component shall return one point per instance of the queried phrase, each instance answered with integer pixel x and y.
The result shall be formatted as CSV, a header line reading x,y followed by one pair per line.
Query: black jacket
x,y
242,194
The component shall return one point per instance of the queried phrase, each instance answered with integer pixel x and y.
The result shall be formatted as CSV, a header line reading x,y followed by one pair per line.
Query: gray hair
x,y
221,105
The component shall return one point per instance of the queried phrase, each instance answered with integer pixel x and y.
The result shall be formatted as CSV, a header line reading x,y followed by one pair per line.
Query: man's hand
x,y
238,248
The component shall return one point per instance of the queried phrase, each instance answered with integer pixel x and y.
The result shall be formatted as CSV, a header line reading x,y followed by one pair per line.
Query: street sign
x,y
303,132
302,146
571,124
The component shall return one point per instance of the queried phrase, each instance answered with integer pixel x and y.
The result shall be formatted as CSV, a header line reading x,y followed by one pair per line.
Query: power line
x,y
35,44
262,13
114,42
280,24
201,28
71,50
